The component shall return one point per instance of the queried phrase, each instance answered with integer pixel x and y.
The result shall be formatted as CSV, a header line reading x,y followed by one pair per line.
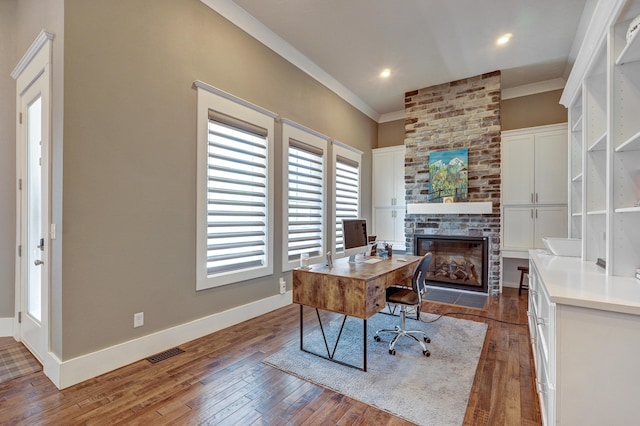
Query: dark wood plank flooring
x,y
220,380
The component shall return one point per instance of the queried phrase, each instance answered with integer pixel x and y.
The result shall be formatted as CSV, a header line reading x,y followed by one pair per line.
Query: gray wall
x,y
130,159
7,156
533,110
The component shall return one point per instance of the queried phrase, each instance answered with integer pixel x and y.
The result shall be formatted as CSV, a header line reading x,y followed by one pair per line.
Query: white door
x,y
32,145
518,227
550,222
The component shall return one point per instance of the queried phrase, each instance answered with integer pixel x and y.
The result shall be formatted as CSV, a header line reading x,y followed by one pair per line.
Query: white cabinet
x,y
524,227
389,226
388,194
603,98
585,336
534,165
534,189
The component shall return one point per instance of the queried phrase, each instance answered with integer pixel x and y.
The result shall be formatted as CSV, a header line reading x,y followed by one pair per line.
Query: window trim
x,y
292,130
211,98
340,149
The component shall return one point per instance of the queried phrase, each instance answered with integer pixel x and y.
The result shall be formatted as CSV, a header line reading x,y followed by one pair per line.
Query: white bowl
x,y
571,247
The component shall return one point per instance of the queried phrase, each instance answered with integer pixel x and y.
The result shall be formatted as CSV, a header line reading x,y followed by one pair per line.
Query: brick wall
x,y
455,115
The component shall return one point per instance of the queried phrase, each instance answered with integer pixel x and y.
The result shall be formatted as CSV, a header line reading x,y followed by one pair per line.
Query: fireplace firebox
x,y
458,262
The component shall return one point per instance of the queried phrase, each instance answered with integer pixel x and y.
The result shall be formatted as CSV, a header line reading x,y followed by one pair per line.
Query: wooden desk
x,y
356,290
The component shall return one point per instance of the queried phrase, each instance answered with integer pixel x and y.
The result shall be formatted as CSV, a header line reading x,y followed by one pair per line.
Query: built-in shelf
x,y
600,144
631,51
578,126
596,212
451,208
631,144
577,178
628,210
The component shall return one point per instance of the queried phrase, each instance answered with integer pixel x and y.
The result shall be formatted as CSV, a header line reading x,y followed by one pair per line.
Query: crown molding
x,y
391,116
533,88
243,20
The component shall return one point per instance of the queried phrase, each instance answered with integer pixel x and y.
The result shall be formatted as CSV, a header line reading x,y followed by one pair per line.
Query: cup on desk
x,y
304,261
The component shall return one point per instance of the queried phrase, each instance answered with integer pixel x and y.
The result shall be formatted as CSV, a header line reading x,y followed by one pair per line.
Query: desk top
x,y
357,290
361,269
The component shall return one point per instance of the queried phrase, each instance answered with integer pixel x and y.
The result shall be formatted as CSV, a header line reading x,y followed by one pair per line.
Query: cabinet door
x,y
551,168
550,222
383,178
398,235
518,227
384,226
398,180
518,169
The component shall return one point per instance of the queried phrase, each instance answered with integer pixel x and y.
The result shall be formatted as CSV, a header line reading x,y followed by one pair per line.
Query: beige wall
x,y
130,159
7,156
533,110
391,133
517,113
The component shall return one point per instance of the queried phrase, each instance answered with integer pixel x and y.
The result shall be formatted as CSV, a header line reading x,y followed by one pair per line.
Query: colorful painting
x,y
448,180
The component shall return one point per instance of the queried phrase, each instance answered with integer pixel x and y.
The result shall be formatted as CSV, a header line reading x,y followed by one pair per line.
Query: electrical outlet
x,y
283,286
138,319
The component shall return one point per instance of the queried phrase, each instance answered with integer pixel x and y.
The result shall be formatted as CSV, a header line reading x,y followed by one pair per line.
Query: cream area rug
x,y
424,390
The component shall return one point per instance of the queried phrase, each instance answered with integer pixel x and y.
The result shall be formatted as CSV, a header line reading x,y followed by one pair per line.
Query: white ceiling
x,y
346,43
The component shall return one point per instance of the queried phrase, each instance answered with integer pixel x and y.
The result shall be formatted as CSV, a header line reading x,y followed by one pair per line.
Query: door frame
x,y
34,66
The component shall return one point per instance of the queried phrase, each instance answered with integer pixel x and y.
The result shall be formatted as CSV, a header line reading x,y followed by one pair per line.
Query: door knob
x,y
38,262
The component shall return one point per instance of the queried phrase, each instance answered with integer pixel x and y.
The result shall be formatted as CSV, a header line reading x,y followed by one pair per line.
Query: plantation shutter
x,y
347,195
305,195
236,195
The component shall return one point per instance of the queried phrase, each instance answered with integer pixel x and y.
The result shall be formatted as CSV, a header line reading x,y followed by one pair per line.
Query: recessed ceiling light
x,y
385,73
504,39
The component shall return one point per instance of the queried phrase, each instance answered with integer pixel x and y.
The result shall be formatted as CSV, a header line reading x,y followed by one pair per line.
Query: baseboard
x,y
6,327
70,372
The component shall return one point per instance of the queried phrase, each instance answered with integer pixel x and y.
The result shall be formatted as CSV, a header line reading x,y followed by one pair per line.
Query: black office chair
x,y
409,297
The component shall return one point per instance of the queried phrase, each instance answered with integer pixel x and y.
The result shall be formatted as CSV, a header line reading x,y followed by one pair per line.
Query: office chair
x,y
409,297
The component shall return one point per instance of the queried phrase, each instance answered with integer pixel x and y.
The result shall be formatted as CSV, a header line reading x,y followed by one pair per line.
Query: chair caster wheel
x,y
426,353
392,351
427,340
376,338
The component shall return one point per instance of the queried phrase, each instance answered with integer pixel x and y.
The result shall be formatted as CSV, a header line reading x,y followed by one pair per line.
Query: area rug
x,y
16,361
424,390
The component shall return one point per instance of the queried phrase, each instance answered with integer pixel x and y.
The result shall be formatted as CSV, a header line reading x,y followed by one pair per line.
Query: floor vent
x,y
164,355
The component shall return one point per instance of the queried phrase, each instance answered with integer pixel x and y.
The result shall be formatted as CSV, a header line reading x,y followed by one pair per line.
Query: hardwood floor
x,y
220,380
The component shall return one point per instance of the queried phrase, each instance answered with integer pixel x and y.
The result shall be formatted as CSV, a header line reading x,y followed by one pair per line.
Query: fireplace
x,y
458,261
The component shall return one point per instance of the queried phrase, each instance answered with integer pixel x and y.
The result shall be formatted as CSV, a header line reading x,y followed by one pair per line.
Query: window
x,y
305,195
234,202
346,165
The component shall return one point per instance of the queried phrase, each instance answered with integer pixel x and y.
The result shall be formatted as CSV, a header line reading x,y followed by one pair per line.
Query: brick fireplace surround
x,y
455,115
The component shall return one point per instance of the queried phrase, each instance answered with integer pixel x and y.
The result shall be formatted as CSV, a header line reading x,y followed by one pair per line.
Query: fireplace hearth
x,y
458,262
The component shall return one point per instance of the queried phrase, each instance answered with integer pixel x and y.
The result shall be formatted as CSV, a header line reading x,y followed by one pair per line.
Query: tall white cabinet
x,y
534,190
388,196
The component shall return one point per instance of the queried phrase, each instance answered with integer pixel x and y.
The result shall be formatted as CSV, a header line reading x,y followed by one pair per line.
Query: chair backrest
x,y
419,281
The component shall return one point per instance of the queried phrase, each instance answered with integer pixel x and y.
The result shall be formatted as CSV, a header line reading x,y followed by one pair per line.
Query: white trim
x,y
208,97
533,88
339,144
604,14
6,327
293,130
209,88
68,373
30,54
391,116
243,20
484,207
528,130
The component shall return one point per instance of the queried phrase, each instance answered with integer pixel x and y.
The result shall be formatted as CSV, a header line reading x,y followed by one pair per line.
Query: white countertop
x,y
570,281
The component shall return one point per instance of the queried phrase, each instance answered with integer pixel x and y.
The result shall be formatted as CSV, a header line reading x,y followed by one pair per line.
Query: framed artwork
x,y
448,176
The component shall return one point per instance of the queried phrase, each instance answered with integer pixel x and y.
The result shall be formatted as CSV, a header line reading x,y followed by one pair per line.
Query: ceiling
x,y
346,43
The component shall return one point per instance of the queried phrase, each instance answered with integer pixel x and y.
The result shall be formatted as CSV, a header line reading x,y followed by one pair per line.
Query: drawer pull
x,y
541,321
